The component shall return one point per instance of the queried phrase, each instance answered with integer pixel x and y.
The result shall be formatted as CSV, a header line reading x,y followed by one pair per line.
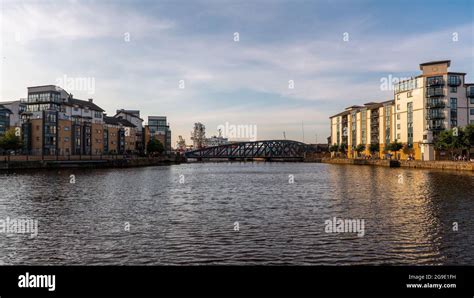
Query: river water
x,y
239,213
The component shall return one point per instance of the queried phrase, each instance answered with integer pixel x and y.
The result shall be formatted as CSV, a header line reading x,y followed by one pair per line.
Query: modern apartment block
x,y
423,106
367,124
52,122
10,115
56,123
133,117
159,129
429,103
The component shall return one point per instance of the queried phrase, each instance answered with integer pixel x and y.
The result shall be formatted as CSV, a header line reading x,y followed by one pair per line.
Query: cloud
x,y
169,44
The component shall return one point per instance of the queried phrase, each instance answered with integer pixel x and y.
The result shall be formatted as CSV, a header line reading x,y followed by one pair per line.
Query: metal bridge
x,y
268,150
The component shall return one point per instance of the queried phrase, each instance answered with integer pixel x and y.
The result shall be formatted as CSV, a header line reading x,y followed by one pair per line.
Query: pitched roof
x,y
129,112
118,121
7,109
84,103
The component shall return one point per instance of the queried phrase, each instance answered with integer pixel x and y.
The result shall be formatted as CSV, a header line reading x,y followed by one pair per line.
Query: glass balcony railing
x,y
434,116
433,92
435,105
434,81
436,127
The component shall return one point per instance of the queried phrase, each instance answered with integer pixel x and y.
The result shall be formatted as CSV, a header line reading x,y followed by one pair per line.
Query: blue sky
x,y
243,82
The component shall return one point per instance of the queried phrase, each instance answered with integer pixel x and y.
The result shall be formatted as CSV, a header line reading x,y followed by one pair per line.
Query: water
x,y
280,223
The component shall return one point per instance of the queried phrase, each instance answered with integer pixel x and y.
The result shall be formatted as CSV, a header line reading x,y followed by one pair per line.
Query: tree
x,y
394,147
450,141
334,148
343,148
359,148
374,148
154,146
10,141
469,137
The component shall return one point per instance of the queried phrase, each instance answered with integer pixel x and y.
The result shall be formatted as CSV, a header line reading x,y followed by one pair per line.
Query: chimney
x,y
91,100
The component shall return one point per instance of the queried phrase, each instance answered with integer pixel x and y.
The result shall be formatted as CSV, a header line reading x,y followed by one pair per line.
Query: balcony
x,y
435,81
434,116
434,92
435,105
436,127
470,92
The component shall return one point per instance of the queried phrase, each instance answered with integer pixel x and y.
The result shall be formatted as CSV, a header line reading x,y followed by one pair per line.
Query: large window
x,y
363,115
410,123
453,104
387,124
354,128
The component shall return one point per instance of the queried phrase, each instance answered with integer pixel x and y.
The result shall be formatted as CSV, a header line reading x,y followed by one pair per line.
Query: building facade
x,y
133,117
159,129
422,107
368,124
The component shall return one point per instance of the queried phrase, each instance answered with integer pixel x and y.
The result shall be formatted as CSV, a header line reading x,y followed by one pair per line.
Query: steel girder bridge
x,y
267,150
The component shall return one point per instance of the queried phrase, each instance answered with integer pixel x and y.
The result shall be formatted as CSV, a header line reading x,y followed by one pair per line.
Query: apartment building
x,y
133,117
429,103
422,107
119,136
370,123
53,122
159,129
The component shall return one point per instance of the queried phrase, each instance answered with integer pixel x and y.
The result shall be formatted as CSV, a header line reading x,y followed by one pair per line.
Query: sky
x,y
294,63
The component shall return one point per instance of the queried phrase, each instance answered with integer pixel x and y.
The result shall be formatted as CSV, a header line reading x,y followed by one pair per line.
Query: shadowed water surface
x,y
280,223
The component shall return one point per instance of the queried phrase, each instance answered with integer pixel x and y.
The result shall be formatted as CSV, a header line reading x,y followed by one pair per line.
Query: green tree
x,y
343,148
154,146
394,147
359,148
468,137
374,148
10,141
447,140
334,148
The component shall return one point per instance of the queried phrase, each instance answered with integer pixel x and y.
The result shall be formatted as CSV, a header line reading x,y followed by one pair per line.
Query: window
x,y
472,100
398,136
398,107
409,94
398,116
66,128
472,121
454,103
472,112
398,126
66,139
453,89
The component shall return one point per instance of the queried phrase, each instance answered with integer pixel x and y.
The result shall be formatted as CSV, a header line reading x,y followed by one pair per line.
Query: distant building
x,y
133,116
159,129
55,123
120,136
216,141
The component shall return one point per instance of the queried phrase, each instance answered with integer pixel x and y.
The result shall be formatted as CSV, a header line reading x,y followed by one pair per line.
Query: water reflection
x,y
280,222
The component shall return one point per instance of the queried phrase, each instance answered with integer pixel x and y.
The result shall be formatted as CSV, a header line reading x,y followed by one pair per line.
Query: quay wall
x,y
442,165
91,163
